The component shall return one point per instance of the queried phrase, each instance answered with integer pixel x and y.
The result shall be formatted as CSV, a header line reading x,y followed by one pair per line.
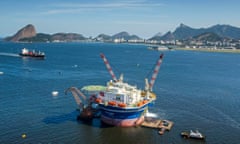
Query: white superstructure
x,y
24,51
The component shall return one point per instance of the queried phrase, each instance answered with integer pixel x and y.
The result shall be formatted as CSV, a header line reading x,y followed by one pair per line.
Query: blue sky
x,y
144,18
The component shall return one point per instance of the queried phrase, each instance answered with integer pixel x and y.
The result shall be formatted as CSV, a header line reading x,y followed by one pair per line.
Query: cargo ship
x,y
27,53
119,103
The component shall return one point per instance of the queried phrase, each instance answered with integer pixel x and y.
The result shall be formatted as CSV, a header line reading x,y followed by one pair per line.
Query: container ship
x,y
119,103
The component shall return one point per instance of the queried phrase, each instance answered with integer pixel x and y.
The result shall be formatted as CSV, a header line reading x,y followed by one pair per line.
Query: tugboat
x,y
27,53
193,135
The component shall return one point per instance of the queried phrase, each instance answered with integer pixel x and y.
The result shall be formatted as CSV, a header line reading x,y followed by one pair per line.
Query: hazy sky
x,y
144,18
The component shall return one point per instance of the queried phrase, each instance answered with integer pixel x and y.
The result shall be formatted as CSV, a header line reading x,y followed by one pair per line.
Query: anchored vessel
x,y
158,48
122,104
27,53
119,103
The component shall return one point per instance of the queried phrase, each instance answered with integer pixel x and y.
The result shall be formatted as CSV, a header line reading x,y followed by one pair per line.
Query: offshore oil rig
x,y
119,103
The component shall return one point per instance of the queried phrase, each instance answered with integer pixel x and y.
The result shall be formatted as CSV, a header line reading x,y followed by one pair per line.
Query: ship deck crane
x,y
108,67
148,86
155,72
78,95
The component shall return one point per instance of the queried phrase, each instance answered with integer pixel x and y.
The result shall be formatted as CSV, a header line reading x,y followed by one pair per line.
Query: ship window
x,y
130,99
119,97
128,89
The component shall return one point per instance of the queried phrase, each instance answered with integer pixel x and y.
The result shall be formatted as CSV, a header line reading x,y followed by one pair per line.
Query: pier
x,y
162,125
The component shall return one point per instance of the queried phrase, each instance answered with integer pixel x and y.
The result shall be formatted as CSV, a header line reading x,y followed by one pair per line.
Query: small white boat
x,y
193,135
158,48
54,93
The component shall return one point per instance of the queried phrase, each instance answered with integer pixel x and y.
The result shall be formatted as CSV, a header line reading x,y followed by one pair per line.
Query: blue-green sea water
x,y
195,90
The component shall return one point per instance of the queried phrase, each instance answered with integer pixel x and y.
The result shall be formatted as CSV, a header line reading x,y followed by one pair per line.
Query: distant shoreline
x,y
209,50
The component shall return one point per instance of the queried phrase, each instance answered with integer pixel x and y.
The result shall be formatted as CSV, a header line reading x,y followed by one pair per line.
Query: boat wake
x,y
226,119
148,114
9,54
222,117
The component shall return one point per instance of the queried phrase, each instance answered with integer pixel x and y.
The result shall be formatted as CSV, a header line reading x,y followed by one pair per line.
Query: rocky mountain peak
x,y
183,26
26,32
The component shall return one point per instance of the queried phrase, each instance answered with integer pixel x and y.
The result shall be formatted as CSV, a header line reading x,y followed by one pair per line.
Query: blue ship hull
x,y
124,117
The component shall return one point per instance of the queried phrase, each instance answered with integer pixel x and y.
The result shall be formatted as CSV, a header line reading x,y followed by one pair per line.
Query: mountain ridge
x,y
182,32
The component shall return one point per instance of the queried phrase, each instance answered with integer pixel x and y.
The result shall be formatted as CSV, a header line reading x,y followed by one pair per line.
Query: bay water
x,y
195,90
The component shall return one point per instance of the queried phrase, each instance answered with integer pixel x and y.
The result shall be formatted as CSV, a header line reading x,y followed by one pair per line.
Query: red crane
x,y
108,67
155,72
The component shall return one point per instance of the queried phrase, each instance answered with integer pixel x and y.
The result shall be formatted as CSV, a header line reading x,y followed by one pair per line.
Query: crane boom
x,y
155,72
77,94
108,66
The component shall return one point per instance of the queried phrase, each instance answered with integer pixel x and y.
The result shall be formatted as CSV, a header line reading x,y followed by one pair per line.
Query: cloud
x,y
62,11
111,5
138,22
60,8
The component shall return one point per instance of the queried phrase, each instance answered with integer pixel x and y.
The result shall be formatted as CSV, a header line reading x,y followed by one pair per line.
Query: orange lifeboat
x,y
145,101
112,103
122,104
98,100
139,104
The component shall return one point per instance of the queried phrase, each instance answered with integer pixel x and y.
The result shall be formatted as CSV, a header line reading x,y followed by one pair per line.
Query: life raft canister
x,y
112,103
122,104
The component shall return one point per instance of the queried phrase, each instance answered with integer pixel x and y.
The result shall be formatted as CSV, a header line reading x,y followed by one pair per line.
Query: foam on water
x,y
9,54
154,115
